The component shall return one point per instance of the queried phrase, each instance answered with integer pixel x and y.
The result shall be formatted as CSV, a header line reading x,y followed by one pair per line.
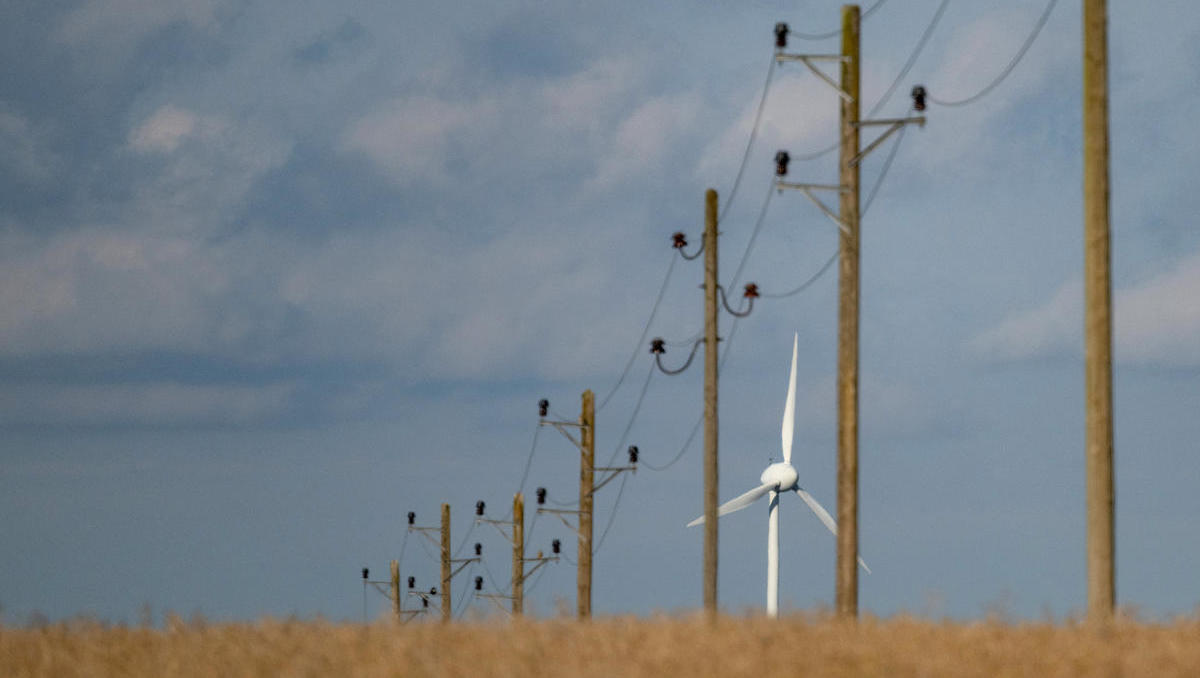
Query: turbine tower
x,y
776,478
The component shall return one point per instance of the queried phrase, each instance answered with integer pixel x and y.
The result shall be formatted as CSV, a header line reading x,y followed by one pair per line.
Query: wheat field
x,y
797,645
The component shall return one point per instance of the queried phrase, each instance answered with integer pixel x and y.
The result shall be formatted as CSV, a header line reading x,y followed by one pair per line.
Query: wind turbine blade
x,y
825,518
738,503
789,407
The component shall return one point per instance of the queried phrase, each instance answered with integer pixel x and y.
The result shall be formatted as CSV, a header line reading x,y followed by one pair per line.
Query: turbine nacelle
x,y
781,475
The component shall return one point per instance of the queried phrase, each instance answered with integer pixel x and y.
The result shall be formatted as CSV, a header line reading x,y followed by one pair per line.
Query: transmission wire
x,y
642,339
636,408
612,517
737,181
912,58
830,34
1007,69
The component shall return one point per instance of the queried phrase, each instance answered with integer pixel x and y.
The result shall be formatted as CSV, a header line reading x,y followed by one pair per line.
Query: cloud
x,y
1156,322
159,404
123,22
163,130
23,149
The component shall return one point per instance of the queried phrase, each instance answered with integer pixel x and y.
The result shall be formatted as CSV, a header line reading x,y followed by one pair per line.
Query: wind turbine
x,y
779,477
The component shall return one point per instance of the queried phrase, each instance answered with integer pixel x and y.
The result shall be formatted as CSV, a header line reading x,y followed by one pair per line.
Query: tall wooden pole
x,y
518,557
447,606
848,286
397,608
1097,317
710,401
587,470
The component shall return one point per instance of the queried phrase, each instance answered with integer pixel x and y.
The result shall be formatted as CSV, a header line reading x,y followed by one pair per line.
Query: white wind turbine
x,y
779,477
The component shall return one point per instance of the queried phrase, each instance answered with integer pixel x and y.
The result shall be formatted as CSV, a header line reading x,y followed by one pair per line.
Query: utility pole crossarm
x,y
808,59
613,472
561,427
893,124
807,190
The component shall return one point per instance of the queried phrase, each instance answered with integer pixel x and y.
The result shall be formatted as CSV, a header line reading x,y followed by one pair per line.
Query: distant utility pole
x,y
587,474
518,555
397,608
848,314
447,599
587,491
711,354
517,536
1098,315
847,219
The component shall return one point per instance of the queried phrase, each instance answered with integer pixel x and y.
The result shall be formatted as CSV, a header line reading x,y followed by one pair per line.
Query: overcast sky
x,y
274,274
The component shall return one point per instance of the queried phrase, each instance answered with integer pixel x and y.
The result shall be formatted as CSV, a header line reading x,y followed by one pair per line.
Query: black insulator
x,y
633,454
657,347
680,240
751,291
918,97
412,518
478,549
366,573
556,546
433,590
543,407
479,507
541,495
478,583
781,163
424,602
412,581
781,32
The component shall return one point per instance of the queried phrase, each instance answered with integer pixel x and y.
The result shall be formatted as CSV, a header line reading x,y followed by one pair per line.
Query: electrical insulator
x,y
479,508
366,573
478,549
918,97
633,454
680,240
412,581
424,602
412,518
433,590
555,546
656,346
541,495
781,32
478,583
751,291
543,407
781,162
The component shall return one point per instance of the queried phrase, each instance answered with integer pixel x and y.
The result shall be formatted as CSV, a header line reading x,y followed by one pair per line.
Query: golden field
x,y
610,647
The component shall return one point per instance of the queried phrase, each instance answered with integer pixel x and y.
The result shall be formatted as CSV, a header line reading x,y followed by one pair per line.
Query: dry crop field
x,y
610,647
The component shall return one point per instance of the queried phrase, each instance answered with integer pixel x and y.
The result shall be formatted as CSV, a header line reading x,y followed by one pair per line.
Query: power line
x,y
887,164
1007,69
632,417
762,214
641,339
833,33
612,516
737,181
912,58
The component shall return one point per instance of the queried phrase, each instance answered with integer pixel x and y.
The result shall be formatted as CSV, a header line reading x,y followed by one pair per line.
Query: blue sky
x,y
274,274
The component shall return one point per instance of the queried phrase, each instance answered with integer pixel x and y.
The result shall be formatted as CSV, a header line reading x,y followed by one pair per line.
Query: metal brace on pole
x,y
808,59
893,124
807,190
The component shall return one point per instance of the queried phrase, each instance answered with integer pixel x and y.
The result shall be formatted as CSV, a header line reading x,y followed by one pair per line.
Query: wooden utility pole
x,y
518,556
587,471
1097,316
447,602
848,287
710,401
397,608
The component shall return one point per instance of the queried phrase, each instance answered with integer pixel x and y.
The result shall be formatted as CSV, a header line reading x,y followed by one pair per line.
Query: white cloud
x,y
411,138
1155,322
163,130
